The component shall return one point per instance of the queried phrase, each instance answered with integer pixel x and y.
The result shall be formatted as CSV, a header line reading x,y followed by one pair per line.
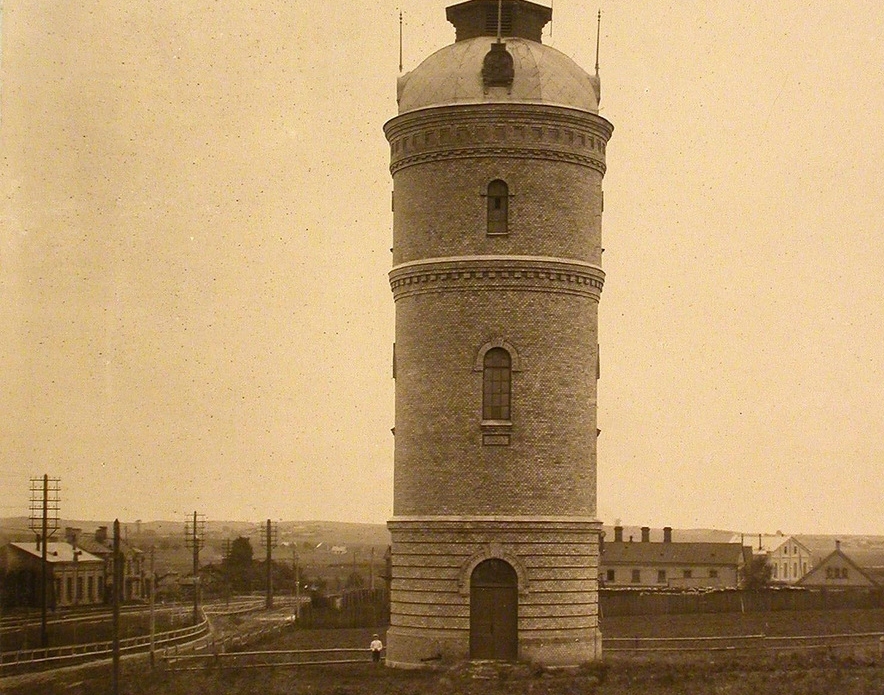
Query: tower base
x,y
445,609
408,650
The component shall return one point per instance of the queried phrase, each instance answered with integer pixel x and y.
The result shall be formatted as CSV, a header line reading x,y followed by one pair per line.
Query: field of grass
x,y
795,675
807,673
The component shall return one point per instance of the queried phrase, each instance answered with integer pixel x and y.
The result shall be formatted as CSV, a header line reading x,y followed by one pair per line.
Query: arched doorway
x,y
494,603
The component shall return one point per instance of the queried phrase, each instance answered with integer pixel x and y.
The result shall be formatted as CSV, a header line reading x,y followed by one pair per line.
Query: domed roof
x,y
541,74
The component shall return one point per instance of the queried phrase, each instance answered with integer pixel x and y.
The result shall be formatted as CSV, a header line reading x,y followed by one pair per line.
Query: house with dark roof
x,y
100,544
668,564
837,571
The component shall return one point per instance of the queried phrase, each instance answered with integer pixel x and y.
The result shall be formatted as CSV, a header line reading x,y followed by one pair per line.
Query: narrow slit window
x,y
498,207
497,381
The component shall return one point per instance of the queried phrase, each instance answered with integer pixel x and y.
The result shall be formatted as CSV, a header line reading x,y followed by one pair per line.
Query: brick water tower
x,y
497,157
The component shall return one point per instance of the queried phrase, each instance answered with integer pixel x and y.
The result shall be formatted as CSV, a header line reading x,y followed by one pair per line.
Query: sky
x,y
194,246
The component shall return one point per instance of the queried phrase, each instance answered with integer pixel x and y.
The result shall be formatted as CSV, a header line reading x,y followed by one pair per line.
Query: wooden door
x,y
494,601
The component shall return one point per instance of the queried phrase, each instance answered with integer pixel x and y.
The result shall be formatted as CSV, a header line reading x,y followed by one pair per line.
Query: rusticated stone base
x,y
555,561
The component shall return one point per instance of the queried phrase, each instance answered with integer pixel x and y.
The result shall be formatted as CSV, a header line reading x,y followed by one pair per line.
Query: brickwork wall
x,y
552,160
529,499
552,210
441,464
557,564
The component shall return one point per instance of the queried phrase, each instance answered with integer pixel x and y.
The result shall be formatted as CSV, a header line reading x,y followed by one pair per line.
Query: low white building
x,y
74,576
789,559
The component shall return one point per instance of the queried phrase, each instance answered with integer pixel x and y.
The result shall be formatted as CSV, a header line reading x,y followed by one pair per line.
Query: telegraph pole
x,y
297,567
269,568
44,523
269,536
118,578
153,622
226,564
194,538
44,569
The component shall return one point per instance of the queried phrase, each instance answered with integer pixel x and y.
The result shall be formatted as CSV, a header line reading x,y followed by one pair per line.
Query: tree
x,y
756,574
239,564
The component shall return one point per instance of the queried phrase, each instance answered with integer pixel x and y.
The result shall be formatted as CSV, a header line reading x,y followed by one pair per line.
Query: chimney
x,y
101,534
39,539
646,534
837,544
618,534
667,534
72,535
601,543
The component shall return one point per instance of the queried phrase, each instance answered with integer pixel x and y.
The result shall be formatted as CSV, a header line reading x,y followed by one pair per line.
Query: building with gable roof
x,y
837,571
100,544
672,565
789,561
788,557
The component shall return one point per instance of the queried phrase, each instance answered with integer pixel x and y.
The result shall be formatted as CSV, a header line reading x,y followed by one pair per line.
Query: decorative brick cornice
x,y
478,273
525,131
535,153
501,523
499,115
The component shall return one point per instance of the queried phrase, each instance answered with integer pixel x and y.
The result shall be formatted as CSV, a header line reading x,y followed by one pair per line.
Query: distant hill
x,y
315,532
15,528
865,550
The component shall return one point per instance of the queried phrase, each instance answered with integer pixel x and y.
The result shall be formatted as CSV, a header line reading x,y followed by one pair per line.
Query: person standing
x,y
376,647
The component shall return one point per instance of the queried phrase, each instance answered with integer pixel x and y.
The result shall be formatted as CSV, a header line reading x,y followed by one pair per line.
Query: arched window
x,y
498,207
496,382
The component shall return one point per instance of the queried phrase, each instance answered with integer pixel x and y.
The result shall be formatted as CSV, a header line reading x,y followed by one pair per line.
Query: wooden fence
x,y
56,657
267,658
870,643
622,602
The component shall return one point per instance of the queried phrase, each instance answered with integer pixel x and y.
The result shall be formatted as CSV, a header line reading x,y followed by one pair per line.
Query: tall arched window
x,y
496,382
498,207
